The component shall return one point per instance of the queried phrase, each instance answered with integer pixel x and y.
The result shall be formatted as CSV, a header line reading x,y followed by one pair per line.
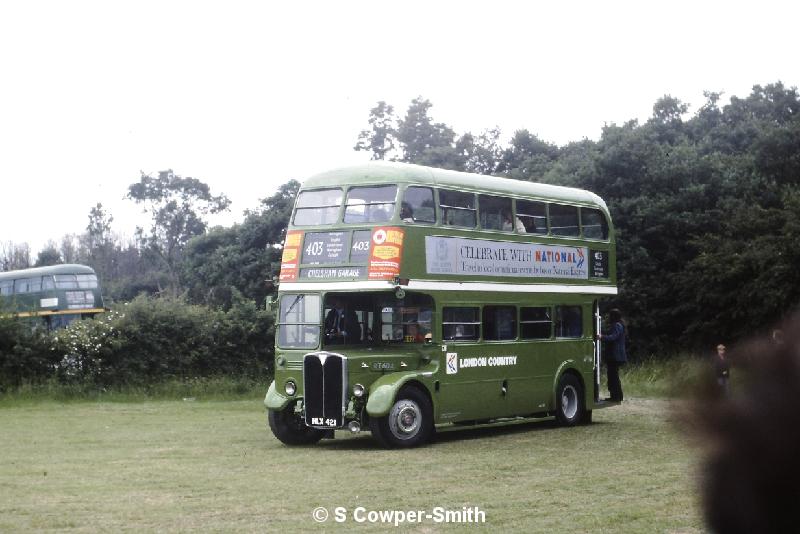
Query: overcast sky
x,y
247,95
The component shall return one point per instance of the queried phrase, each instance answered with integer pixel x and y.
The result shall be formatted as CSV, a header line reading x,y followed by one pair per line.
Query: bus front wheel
x,y
570,409
409,422
291,429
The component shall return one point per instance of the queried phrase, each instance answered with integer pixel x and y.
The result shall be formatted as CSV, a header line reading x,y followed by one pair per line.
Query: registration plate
x,y
319,421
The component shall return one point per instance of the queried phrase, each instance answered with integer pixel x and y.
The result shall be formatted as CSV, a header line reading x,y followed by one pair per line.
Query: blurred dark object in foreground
x,y
752,470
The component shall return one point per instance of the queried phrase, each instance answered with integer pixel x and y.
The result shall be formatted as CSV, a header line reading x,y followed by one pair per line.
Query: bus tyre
x,y
569,401
409,422
291,429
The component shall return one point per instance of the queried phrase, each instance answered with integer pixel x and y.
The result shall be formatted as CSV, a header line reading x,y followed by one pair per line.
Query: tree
x,y
482,153
177,206
49,255
98,242
243,258
424,141
527,157
14,256
381,139
68,249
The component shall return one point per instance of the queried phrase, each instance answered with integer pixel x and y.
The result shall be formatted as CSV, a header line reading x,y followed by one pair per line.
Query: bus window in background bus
x,y
7,287
495,213
66,281
460,324
317,207
370,204
564,220
299,321
458,209
533,216
594,224
87,281
569,322
535,323
499,323
418,205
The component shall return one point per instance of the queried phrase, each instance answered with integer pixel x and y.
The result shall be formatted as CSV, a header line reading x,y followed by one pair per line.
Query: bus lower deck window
x,y
535,323
460,324
499,323
569,321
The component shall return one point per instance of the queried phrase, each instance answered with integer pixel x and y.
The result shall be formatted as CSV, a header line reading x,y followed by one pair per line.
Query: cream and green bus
x,y
413,298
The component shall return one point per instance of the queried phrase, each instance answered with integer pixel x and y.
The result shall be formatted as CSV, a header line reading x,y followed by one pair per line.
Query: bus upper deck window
x,y
458,209
317,207
370,204
564,220
6,287
533,216
418,205
594,224
48,283
496,213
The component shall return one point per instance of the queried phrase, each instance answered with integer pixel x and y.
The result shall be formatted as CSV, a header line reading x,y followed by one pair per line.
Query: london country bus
x,y
412,297
53,296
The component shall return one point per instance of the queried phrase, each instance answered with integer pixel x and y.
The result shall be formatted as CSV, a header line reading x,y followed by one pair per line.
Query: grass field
x,y
198,465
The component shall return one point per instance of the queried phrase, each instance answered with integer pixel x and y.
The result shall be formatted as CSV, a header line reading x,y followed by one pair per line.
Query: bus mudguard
x,y
274,400
382,392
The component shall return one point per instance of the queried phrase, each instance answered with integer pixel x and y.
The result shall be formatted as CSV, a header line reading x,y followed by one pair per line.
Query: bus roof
x,y
68,268
380,172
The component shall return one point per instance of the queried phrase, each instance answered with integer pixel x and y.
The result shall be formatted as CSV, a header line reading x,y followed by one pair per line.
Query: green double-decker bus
x,y
54,296
412,298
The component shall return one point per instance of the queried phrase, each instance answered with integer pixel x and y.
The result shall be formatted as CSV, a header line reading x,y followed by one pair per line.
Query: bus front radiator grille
x,y
324,389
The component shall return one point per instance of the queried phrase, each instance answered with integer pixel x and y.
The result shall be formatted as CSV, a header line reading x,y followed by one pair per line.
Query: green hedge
x,y
148,339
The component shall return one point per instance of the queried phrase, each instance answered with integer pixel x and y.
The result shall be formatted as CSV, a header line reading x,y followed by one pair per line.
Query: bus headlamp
x,y
358,390
290,388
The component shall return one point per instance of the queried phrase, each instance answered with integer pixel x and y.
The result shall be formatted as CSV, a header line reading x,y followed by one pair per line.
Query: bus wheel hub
x,y
404,420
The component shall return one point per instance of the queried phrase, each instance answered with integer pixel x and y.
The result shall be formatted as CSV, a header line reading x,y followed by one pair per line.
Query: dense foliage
x,y
705,207
144,341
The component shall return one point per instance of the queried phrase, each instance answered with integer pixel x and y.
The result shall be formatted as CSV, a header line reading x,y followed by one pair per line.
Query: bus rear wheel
x,y
570,409
291,429
409,422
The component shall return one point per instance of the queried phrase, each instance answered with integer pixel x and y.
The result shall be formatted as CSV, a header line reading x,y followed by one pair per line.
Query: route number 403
x,y
314,248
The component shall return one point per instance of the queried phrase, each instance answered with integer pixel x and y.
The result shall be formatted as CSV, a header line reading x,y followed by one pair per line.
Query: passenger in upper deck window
x,y
519,226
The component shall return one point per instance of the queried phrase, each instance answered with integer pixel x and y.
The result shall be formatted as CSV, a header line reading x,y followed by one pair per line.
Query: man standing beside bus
x,y
616,353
